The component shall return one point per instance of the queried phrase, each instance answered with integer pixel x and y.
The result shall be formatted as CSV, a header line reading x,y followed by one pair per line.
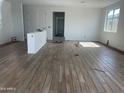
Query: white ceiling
x,y
88,3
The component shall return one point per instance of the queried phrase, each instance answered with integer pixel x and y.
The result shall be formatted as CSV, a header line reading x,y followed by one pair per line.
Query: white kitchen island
x,y
35,41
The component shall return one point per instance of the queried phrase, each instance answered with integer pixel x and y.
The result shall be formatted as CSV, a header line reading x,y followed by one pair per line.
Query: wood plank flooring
x,y
61,68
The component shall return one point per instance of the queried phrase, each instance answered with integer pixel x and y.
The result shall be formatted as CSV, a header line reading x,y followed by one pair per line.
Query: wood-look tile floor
x,y
61,68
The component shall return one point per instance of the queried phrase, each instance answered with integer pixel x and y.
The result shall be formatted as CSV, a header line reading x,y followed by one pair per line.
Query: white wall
x,y
6,29
17,15
12,21
80,23
116,39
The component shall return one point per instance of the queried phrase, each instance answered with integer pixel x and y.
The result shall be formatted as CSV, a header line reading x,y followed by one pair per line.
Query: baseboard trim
x,y
8,43
79,41
50,41
113,48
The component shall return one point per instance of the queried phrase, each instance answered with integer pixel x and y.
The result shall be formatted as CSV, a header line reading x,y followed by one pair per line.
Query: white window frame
x,y
106,20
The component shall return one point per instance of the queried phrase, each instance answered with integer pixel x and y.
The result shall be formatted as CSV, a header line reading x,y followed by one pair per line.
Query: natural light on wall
x,y
89,44
1,2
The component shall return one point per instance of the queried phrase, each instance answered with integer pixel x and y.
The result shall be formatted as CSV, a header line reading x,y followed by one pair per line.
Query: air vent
x,y
82,2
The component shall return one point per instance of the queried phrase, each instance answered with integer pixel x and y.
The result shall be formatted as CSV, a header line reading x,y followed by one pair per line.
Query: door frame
x,y
54,23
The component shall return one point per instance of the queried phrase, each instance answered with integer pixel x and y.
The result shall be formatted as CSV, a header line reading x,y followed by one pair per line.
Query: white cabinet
x,y
35,41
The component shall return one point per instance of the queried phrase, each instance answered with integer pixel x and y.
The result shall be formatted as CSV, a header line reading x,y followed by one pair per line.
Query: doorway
x,y
58,26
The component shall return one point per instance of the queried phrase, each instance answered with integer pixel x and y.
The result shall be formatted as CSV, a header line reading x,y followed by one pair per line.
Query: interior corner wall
x,y
11,15
80,23
17,16
115,39
6,28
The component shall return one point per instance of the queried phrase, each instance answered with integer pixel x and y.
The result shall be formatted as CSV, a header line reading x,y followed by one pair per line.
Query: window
x,y
111,20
